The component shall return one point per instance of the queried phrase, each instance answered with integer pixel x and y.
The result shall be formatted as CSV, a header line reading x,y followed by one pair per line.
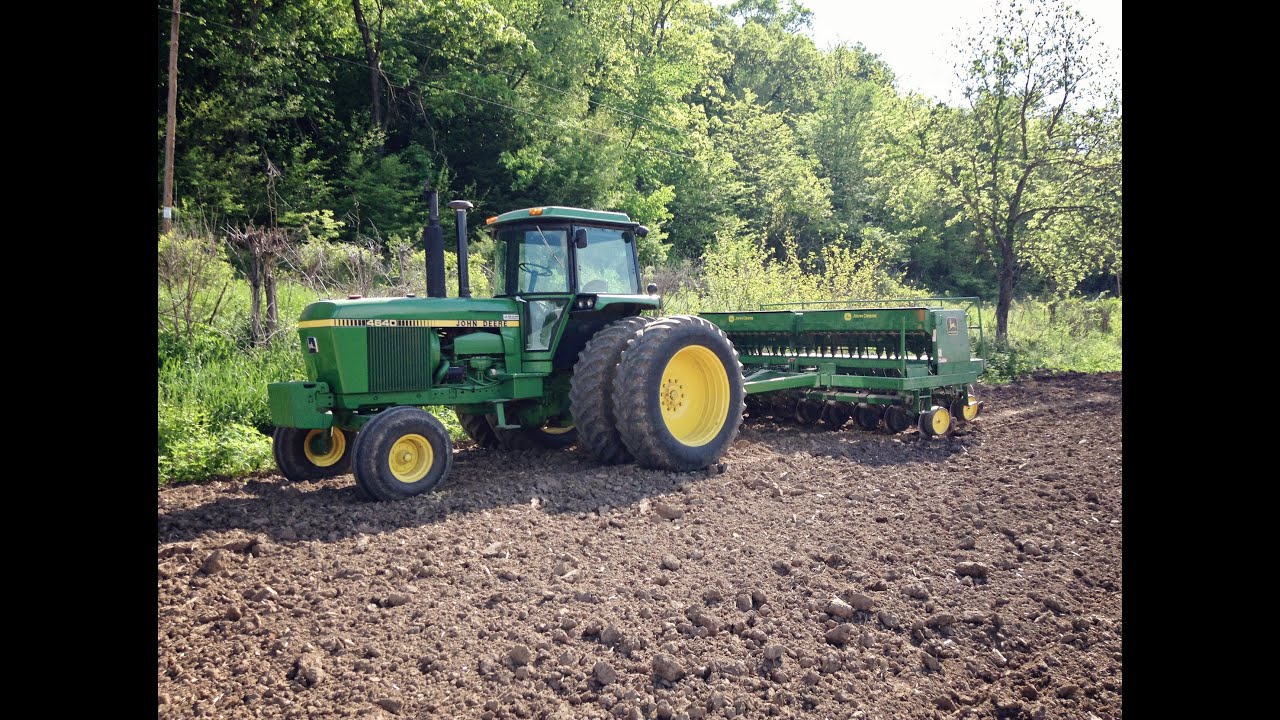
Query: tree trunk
x,y
371,55
1006,293
255,297
269,284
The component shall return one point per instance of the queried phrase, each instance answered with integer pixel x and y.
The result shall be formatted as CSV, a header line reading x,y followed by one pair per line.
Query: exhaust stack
x,y
460,208
433,244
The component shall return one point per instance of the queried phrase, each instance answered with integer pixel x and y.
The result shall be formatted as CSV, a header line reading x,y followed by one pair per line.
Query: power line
x,y
556,121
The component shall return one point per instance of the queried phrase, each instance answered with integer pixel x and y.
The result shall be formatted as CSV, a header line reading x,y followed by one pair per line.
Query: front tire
x,y
301,458
678,394
402,452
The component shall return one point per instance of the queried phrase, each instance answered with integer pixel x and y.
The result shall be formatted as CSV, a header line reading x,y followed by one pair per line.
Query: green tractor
x,y
560,354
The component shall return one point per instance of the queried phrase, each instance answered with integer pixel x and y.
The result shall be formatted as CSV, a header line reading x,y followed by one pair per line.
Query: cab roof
x,y
557,212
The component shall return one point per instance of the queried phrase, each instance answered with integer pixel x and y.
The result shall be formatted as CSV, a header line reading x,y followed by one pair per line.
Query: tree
x,y
775,188
1032,164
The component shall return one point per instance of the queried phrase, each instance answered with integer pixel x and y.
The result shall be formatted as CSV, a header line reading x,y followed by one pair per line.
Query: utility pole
x,y
171,124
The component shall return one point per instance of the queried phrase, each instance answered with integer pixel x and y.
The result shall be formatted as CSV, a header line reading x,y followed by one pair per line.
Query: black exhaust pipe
x,y
460,208
433,244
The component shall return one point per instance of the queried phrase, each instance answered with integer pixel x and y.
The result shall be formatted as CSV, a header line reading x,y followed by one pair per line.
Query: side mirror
x,y
652,289
641,231
580,238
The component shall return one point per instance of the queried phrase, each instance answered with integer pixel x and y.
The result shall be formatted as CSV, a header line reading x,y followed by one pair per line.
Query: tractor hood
x,y
397,311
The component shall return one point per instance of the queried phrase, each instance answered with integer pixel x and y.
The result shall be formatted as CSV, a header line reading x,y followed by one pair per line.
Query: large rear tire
x,y
402,452
477,428
678,394
301,458
547,437
591,390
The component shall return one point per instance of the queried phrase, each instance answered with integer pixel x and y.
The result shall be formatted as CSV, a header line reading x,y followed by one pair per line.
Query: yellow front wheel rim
x,y
336,448
940,421
970,409
694,395
557,430
410,458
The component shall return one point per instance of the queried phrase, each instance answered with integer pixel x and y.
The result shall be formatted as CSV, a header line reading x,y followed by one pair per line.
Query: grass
x,y
1076,335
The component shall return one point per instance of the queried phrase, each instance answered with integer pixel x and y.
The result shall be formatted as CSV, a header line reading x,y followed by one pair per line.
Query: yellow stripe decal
x,y
343,322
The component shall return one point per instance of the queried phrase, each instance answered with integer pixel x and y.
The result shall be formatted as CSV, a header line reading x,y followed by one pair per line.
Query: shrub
x,y
191,448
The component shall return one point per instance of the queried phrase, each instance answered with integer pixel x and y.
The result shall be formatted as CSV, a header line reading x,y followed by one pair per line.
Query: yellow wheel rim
x,y
336,449
556,430
410,458
694,395
970,409
940,421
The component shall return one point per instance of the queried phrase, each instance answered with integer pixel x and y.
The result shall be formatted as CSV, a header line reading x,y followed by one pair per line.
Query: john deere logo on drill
x,y
953,326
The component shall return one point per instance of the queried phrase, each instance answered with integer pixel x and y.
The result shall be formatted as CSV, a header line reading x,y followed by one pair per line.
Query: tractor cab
x,y
570,270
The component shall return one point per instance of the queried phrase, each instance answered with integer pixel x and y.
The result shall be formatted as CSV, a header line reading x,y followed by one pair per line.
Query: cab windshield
x,y
607,264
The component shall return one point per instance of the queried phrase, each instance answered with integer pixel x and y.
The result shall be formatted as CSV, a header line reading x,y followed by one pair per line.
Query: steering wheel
x,y
535,269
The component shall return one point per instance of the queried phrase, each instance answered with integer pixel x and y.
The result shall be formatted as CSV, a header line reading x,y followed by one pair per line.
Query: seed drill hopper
x,y
894,362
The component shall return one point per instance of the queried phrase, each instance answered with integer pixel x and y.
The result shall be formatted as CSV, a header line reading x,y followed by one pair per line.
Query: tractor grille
x,y
399,359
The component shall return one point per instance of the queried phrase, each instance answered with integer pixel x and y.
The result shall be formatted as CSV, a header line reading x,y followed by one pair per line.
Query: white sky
x,y
915,36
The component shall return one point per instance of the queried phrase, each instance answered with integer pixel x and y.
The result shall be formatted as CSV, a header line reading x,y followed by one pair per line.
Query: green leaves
x,y
692,116
1030,166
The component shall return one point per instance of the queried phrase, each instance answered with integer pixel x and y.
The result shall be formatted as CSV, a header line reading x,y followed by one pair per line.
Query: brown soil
x,y
824,575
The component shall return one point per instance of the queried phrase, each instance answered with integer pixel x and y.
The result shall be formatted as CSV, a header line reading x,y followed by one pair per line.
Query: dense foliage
x,y
690,116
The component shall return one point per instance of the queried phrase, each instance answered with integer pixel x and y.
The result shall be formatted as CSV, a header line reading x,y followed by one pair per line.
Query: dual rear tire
x,y
666,393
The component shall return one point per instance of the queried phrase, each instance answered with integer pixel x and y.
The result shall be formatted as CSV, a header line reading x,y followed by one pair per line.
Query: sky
x,y
914,36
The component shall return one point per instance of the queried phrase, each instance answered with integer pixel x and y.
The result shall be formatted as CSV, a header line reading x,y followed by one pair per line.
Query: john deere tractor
x,y
560,354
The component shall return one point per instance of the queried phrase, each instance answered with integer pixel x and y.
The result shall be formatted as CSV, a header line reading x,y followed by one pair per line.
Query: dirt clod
x,y
840,634
972,569
519,655
215,563
604,673
667,512
667,667
917,591
395,599
839,608
860,602
309,669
